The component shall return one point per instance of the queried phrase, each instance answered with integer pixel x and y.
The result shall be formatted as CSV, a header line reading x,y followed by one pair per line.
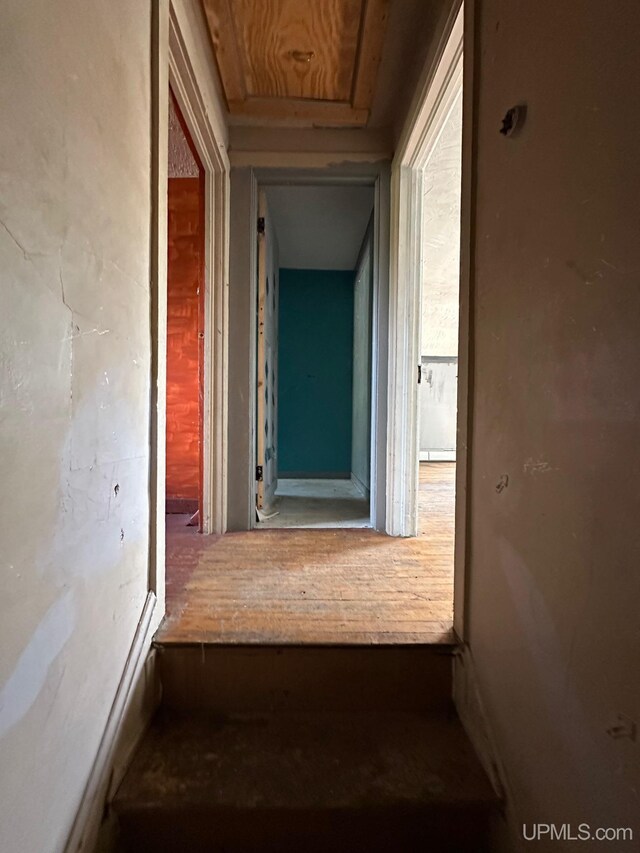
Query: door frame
x,y
431,107
173,65
374,174
267,307
367,244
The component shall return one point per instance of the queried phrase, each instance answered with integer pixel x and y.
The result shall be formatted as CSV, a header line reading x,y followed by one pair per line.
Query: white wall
x,y
74,255
438,409
440,289
441,240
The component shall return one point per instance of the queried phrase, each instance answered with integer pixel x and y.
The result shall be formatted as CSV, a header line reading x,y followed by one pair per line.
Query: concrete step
x,y
231,678
305,782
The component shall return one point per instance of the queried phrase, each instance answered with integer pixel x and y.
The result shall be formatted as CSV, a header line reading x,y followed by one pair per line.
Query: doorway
x,y
426,292
198,121
185,325
440,289
437,408
314,356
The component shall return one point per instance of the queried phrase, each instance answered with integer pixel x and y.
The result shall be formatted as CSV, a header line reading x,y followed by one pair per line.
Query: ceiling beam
x,y
374,22
225,48
304,112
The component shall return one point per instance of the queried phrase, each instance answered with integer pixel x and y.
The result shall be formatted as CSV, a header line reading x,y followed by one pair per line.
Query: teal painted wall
x,y
315,365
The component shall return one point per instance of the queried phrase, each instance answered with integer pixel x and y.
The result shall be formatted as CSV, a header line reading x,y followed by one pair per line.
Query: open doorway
x,y
425,288
440,296
189,329
185,326
314,356
440,291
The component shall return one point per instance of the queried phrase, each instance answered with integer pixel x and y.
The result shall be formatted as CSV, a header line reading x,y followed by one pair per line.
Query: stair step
x,y
305,782
230,678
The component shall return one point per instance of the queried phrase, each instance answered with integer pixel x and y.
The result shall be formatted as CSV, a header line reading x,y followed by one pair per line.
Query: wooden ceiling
x,y
304,62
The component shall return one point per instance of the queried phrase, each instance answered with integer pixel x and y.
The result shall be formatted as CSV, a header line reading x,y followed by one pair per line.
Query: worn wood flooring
x,y
340,586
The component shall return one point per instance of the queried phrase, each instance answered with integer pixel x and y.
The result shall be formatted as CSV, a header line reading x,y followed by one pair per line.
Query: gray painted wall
x,y
554,587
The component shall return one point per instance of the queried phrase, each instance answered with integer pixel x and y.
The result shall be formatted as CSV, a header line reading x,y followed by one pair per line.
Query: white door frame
x,y
375,175
424,126
173,65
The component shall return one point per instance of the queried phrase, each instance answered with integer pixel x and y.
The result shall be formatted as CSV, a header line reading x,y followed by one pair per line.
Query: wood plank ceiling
x,y
304,62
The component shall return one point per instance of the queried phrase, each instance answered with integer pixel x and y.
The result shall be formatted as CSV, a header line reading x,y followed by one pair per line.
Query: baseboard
x,y
136,699
470,708
437,456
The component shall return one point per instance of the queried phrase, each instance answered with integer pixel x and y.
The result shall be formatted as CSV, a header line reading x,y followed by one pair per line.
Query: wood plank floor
x,y
340,586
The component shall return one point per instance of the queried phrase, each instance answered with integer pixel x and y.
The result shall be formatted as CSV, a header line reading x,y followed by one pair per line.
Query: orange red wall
x,y
185,241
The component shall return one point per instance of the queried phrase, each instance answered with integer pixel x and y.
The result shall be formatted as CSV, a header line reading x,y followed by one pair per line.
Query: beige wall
x,y
74,302
554,588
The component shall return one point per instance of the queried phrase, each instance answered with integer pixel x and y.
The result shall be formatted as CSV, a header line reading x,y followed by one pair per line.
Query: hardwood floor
x,y
340,586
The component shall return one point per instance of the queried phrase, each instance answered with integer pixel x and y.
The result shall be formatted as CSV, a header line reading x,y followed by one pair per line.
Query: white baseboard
x,y
437,456
136,698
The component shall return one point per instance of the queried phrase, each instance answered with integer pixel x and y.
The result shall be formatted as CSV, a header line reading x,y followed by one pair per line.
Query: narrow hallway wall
x,y
74,392
75,349
554,586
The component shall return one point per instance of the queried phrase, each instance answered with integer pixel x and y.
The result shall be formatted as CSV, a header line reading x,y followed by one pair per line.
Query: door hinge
x,y
259,473
419,374
261,225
